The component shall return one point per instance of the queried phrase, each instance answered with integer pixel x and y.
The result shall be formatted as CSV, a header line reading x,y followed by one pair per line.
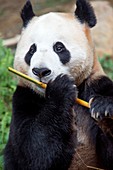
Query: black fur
x,y
41,134
62,52
30,53
27,13
85,13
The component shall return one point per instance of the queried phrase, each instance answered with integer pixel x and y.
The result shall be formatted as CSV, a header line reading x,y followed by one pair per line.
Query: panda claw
x,y
90,102
74,86
106,113
92,113
97,115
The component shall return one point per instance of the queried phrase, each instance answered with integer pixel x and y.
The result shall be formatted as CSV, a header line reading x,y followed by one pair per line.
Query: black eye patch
x,y
60,49
30,53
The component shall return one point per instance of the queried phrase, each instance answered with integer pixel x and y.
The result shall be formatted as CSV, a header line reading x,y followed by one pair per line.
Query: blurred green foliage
x,y
7,86
107,64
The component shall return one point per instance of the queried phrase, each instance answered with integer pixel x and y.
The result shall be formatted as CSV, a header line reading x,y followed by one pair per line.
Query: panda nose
x,y
41,72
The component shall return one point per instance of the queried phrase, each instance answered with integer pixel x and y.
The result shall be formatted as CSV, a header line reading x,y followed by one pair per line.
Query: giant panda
x,y
49,129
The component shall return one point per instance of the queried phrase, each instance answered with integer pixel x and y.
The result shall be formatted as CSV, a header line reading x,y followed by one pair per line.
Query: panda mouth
x,y
43,81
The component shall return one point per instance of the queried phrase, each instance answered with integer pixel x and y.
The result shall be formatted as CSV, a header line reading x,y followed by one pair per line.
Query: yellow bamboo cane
x,y
79,101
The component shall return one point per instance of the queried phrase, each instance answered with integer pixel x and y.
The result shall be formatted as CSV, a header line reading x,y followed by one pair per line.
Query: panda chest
x,y
85,155
84,158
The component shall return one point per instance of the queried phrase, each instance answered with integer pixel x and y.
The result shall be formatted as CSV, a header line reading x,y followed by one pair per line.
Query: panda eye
x,y
59,47
62,52
32,49
30,53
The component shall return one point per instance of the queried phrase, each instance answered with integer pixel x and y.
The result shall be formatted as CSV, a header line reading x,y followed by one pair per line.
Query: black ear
x,y
27,13
85,13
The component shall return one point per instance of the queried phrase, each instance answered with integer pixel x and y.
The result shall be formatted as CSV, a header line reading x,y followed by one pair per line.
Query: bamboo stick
x,y
79,101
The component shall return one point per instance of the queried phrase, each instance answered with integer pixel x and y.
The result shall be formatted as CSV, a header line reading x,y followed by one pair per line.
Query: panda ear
x,y
85,13
27,13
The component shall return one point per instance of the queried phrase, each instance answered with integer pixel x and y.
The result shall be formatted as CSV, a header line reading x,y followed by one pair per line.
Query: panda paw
x,y
62,90
101,107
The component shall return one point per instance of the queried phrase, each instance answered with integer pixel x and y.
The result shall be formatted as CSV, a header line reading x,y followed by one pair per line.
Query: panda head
x,y
55,43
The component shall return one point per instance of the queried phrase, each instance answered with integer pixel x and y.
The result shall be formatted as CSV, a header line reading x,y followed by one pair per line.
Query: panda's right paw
x,y
62,90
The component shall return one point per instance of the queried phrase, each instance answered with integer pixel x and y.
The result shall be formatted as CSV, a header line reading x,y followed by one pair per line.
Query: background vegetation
x,y
7,87
107,64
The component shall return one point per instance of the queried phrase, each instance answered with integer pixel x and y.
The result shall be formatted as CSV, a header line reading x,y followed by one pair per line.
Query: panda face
x,y
53,44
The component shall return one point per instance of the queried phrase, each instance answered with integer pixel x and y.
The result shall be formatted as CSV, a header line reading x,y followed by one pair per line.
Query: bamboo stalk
x,y
79,101
27,77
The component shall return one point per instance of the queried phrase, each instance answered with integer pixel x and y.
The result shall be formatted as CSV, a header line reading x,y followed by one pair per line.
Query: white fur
x,y
45,31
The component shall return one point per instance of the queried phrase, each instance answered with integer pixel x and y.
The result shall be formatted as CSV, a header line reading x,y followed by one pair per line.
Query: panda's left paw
x,y
101,107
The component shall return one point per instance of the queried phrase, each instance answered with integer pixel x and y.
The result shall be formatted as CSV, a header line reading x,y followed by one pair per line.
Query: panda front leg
x,y
61,94
42,136
102,112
